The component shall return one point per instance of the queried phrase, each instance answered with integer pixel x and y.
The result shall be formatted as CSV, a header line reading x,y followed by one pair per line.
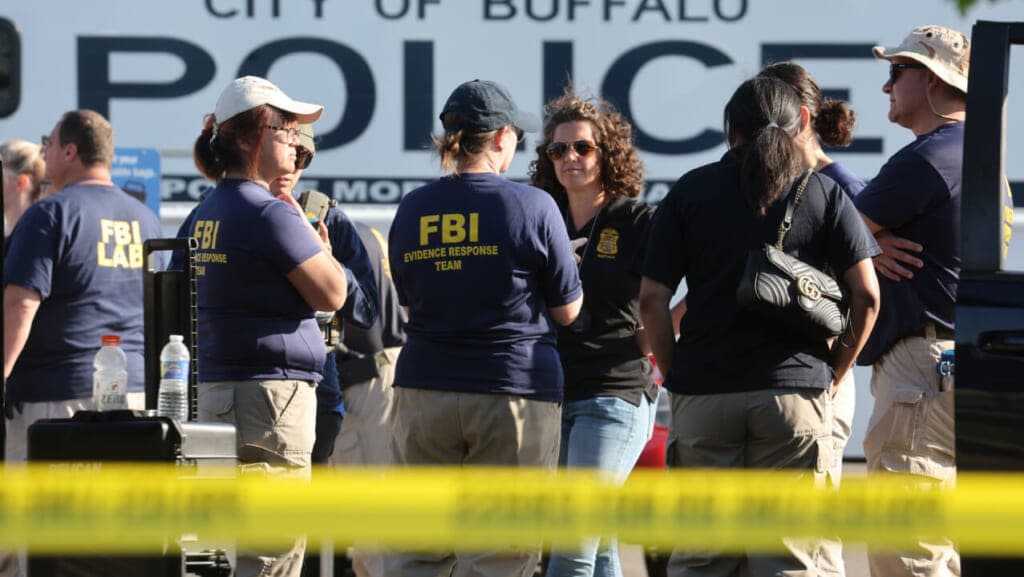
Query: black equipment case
x,y
140,436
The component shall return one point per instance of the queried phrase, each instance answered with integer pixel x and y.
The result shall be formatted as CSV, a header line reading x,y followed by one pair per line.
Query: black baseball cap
x,y
483,106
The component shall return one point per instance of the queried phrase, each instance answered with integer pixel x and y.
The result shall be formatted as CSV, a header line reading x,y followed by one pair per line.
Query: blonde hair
x,y
23,157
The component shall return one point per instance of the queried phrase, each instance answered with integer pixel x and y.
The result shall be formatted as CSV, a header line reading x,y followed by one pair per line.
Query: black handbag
x,y
790,292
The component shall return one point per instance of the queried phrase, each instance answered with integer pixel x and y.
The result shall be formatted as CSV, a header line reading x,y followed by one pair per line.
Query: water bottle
x,y
110,380
172,399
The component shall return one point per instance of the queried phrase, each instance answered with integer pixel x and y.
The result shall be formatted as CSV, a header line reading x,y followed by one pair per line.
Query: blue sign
x,y
137,172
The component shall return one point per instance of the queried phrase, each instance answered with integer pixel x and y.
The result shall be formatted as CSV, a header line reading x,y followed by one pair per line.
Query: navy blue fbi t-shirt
x,y
703,231
81,249
916,195
479,259
253,323
600,355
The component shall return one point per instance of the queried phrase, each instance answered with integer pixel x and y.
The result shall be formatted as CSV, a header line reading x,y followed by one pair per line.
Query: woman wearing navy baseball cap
x,y
485,267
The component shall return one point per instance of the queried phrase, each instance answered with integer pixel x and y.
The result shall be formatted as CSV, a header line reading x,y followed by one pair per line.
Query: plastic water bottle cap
x,y
111,340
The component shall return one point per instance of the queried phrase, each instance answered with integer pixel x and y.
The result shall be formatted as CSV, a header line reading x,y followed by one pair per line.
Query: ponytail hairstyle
x,y
457,146
761,119
833,119
221,145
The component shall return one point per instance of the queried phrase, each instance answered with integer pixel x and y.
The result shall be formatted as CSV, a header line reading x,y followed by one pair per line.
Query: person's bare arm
x,y
864,304
654,299
321,282
894,252
678,312
320,279
567,313
20,308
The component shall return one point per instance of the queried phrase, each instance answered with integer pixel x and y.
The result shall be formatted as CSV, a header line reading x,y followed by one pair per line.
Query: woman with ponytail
x,y
746,393
831,122
484,266
262,272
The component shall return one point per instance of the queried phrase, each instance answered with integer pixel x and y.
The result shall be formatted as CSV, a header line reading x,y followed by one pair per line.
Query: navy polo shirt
x,y
253,323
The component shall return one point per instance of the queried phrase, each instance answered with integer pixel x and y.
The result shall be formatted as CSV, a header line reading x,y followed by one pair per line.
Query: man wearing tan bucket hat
x,y
913,208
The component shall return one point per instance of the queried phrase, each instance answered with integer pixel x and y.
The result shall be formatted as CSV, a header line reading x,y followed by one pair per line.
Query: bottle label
x,y
109,395
174,370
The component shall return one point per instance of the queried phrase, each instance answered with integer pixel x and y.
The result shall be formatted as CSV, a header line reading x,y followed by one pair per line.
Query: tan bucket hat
x,y
946,52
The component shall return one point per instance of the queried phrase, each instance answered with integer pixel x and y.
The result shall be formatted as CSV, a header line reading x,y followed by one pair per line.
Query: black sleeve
x,y
664,259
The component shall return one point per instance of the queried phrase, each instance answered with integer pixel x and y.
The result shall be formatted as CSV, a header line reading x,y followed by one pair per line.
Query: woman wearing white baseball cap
x,y
262,272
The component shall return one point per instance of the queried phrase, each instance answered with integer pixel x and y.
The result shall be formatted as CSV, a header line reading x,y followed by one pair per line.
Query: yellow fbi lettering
x,y
206,232
451,226
120,244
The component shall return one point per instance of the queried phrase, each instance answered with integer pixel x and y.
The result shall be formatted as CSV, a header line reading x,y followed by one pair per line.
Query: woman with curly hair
x,y
587,162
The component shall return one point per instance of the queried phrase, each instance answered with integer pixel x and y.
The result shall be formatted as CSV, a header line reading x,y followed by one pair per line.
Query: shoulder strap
x,y
787,221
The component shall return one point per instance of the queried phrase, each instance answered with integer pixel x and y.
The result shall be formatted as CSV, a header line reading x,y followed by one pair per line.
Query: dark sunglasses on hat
x,y
557,150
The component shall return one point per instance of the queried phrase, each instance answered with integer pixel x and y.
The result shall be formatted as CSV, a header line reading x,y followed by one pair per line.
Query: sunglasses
x,y
302,158
45,140
520,134
897,68
557,150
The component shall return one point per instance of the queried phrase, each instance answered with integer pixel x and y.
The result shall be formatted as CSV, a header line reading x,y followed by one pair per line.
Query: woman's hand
x,y
576,244
325,239
320,233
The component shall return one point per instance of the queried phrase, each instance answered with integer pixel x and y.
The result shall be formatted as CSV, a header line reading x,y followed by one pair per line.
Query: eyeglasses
x,y
897,68
44,140
292,132
557,150
302,158
520,134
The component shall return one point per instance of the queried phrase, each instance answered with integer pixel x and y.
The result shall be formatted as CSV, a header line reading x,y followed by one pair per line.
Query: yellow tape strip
x,y
134,509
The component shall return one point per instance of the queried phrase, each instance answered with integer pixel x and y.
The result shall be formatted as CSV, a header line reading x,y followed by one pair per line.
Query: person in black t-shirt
x,y
587,162
746,393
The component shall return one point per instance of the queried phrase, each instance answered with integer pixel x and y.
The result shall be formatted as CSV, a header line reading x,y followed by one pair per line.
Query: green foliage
x,y
965,5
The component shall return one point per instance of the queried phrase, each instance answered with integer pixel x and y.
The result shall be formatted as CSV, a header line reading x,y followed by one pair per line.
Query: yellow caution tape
x,y
116,508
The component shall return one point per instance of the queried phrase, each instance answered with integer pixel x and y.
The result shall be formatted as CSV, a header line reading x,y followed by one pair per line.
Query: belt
x,y
934,331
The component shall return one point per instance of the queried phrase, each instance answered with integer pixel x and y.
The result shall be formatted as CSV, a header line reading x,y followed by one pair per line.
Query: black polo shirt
x,y
703,231
599,352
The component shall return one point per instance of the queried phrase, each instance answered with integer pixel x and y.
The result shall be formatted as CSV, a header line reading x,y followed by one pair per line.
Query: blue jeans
x,y
607,434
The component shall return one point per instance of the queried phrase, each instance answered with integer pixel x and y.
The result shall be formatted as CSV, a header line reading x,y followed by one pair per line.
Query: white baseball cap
x,y
248,92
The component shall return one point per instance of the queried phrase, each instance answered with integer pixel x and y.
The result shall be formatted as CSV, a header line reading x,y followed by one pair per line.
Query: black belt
x,y
941,332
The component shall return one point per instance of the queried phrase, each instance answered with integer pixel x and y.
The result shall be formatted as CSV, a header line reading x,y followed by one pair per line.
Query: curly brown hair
x,y
622,172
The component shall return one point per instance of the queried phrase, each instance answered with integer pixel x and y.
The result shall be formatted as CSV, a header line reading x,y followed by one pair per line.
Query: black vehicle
x,y
990,303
